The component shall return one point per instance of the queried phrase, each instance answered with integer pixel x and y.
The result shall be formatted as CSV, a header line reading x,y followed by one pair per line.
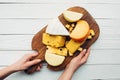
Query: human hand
x,y
26,62
76,62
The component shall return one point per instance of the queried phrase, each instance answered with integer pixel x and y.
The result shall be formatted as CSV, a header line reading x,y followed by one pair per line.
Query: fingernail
x,y
36,52
38,60
84,50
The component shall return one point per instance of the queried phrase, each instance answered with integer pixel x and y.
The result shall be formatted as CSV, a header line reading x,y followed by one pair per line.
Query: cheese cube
x,y
72,25
72,46
67,26
80,49
89,37
53,40
92,32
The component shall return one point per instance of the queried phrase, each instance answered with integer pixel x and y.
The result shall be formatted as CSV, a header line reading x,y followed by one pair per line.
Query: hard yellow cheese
x,y
72,46
58,51
53,40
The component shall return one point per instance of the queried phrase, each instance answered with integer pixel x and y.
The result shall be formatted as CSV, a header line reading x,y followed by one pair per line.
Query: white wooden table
x,y
21,19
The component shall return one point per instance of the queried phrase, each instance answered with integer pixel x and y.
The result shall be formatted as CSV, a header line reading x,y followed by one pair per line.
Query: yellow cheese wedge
x,y
72,46
53,59
58,51
53,40
71,16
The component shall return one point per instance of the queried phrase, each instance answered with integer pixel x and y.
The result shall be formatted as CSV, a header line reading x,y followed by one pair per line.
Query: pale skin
x,y
25,62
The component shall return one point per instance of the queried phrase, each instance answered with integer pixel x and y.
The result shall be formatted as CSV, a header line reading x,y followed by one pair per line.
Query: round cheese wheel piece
x,y
53,59
71,16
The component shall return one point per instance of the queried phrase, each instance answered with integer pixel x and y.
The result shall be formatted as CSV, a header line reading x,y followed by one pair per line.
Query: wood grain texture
x,y
59,1
33,11
41,48
86,72
97,57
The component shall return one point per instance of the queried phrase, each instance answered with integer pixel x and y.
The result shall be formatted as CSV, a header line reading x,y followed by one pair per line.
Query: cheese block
x,y
72,46
53,40
58,51
55,27
53,59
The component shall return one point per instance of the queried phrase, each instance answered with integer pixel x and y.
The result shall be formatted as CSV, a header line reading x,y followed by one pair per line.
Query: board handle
x,y
32,69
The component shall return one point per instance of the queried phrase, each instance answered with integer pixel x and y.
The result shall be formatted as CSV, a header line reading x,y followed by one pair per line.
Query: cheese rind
x,y
53,59
53,40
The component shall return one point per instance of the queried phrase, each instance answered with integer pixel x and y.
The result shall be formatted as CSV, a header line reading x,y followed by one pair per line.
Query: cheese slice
x,y
58,51
53,59
55,27
71,16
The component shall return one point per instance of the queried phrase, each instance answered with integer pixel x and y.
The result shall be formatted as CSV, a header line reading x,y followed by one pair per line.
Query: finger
x,y
33,62
29,56
41,65
38,68
81,54
88,53
84,59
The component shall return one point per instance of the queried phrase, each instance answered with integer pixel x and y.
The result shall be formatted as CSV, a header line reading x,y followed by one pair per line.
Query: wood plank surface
x,y
39,10
97,57
60,1
86,72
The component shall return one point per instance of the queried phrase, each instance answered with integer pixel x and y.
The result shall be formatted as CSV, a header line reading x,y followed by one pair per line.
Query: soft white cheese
x,y
53,59
55,27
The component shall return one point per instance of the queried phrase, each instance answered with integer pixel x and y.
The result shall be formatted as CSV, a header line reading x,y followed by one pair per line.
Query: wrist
x,y
71,68
11,68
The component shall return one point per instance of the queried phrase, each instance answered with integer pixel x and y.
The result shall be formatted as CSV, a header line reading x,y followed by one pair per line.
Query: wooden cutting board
x,y
41,48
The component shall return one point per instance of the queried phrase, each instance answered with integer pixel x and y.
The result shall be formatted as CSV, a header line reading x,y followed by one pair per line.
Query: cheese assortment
x,y
63,41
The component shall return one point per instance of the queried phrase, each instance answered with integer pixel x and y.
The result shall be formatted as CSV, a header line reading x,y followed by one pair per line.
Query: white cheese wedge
x,y
53,59
55,27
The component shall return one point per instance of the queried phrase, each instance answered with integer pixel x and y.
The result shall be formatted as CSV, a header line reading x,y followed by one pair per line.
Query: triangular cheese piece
x,y
55,27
